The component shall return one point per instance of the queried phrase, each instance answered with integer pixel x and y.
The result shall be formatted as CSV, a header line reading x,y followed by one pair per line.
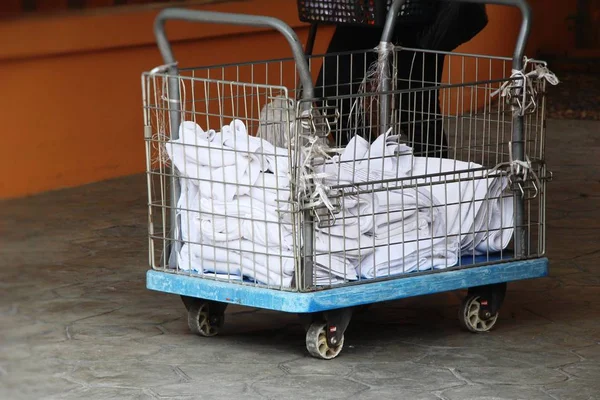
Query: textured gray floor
x,y
76,321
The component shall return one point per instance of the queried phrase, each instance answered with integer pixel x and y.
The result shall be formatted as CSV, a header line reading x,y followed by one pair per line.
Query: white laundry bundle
x,y
432,211
397,213
477,213
402,229
234,190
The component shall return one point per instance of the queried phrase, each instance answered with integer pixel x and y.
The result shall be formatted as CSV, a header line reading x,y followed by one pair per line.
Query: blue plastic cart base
x,y
403,286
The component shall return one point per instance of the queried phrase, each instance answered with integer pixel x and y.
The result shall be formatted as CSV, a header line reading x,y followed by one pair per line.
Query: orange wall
x,y
71,100
550,32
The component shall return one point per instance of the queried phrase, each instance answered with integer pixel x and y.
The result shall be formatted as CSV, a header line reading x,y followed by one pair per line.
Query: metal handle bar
x,y
234,19
523,5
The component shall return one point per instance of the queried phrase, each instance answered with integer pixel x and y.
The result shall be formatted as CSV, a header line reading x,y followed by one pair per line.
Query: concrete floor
x,y
76,321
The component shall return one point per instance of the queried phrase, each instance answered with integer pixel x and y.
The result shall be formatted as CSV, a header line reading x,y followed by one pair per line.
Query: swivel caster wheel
x,y
316,342
205,318
474,317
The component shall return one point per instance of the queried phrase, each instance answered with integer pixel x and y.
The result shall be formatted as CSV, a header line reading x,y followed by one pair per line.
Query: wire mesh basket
x,y
364,12
430,215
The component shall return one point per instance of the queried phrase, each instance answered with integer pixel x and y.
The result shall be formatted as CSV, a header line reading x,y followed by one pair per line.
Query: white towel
x,y
349,248
404,258
397,205
334,265
221,171
362,163
247,259
387,157
274,159
463,201
500,227
276,259
227,182
245,218
271,189
195,147
417,249
356,216
188,211
236,258
226,163
394,231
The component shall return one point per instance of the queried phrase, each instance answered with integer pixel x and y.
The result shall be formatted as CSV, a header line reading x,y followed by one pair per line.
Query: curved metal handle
x,y
519,53
390,20
213,17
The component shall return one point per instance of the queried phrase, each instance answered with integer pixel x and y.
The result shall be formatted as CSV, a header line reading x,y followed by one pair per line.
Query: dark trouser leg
x,y
420,112
342,75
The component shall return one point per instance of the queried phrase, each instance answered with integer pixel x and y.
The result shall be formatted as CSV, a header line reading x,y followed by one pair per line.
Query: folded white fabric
x,y
188,211
195,147
334,265
500,227
459,210
464,191
273,159
257,263
355,218
386,158
271,189
227,163
334,269
357,164
235,219
361,162
421,244
407,257
394,231
245,218
241,258
219,169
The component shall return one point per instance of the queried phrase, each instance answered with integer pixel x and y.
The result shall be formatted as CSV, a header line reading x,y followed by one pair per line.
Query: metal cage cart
x,y
253,201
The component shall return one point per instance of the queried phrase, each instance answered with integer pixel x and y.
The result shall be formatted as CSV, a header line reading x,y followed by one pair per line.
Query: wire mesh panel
x,y
256,169
226,177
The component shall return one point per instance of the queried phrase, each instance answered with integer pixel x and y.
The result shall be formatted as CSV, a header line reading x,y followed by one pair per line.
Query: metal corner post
x,y
518,128
175,106
385,103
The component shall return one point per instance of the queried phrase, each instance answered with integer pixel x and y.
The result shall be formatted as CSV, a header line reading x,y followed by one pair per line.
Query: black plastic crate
x,y
363,12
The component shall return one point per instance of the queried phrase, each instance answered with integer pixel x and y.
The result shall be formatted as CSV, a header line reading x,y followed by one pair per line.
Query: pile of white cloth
x,y
234,211
237,219
432,211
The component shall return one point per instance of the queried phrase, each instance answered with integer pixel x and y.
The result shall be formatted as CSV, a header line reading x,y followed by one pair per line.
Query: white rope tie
x,y
372,83
519,80
317,194
161,69
518,171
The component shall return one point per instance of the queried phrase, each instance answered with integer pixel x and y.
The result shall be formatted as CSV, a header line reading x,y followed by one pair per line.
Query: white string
x,y
317,194
161,69
517,168
524,81
373,75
